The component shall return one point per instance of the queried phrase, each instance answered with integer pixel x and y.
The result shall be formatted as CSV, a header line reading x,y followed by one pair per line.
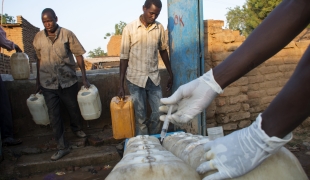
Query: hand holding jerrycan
x,y
20,68
89,102
38,109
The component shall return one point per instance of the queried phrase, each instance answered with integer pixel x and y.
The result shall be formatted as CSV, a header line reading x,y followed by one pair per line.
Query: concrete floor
x,y
31,159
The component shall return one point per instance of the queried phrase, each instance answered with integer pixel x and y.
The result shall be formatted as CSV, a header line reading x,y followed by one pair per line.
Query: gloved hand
x,y
17,49
240,152
191,99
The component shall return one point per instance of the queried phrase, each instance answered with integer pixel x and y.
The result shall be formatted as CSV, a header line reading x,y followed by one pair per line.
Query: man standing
x,y
141,41
6,123
56,76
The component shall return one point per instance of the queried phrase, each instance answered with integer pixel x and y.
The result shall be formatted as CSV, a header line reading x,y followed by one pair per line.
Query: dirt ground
x,y
300,147
73,173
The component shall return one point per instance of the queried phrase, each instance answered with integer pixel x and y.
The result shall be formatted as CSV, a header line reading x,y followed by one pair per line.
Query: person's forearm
x,y
165,58
292,104
122,71
6,44
283,24
80,62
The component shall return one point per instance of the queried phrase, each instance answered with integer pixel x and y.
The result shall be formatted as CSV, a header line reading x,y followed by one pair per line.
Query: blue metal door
x,y
185,27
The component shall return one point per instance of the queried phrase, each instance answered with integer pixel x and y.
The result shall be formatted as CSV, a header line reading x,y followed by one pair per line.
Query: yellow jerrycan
x,y
123,118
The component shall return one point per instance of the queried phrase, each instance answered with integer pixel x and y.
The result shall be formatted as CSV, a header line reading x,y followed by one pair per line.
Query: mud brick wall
x,y
114,45
5,67
28,31
22,33
243,100
13,33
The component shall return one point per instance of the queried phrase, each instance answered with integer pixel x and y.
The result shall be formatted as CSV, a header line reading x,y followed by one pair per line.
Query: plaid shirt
x,y
140,46
57,64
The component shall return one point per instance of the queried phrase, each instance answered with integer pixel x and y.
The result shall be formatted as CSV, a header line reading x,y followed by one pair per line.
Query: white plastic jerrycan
x,y
280,165
89,102
145,159
20,65
38,109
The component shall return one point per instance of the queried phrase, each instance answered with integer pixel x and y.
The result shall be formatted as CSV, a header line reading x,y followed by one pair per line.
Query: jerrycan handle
x,y
83,88
123,99
37,94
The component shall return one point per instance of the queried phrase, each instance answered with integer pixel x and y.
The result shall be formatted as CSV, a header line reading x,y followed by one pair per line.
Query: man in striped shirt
x,y
141,41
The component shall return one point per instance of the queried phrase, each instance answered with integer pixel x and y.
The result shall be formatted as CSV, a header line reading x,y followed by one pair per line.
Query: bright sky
x,y
90,20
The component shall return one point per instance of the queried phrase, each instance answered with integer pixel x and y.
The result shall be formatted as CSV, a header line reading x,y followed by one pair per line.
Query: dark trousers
x,y
69,98
6,123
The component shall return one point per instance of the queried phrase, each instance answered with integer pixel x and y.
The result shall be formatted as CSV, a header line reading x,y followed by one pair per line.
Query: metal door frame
x,y
200,60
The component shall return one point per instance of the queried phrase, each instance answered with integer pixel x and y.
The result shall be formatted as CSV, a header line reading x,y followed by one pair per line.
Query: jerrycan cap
x,y
85,93
33,99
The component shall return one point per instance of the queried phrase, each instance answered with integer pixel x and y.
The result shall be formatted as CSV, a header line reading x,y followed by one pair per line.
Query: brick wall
x,y
5,67
114,45
28,31
13,33
21,33
243,100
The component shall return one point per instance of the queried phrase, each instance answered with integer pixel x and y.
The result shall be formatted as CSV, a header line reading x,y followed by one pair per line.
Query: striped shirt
x,y
57,64
140,46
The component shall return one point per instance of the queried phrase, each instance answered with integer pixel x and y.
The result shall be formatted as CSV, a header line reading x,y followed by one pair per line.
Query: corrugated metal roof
x,y
103,59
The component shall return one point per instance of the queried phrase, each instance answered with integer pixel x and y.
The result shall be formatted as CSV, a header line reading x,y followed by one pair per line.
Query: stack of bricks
x,y
5,67
219,42
21,33
244,99
29,31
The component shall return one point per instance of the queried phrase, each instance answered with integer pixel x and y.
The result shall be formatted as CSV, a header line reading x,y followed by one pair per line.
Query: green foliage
x,y
236,19
7,19
118,29
97,53
250,15
107,35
